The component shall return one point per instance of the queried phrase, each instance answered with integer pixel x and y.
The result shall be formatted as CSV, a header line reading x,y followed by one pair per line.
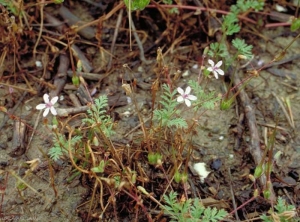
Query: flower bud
x,y
258,171
75,81
177,176
127,89
242,57
252,178
267,194
255,193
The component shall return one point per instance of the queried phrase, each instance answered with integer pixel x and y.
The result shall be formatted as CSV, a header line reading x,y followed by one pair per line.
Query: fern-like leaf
x,y
178,123
97,116
61,146
204,100
167,113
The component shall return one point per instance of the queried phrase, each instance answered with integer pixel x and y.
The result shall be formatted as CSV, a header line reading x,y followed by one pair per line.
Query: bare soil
x,y
222,139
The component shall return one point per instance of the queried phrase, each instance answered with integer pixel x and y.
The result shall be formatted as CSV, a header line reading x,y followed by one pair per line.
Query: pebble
x,y
186,73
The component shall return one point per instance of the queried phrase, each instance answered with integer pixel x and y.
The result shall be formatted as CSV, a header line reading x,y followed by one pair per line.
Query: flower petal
x,y
211,62
46,112
187,102
46,98
219,64
187,90
53,111
191,97
180,99
220,71
41,106
210,69
54,100
216,74
180,91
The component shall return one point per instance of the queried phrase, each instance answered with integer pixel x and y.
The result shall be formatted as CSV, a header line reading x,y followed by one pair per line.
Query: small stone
x,y
140,69
27,107
38,64
186,73
201,171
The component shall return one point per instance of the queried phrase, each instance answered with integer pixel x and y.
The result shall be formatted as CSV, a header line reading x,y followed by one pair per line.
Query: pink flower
x,y
185,96
48,105
215,68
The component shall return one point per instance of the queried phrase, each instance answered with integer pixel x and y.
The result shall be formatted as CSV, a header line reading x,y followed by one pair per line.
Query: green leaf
x,y
242,47
61,146
218,50
98,118
166,116
136,4
58,1
10,6
55,153
99,168
243,5
295,24
229,25
204,100
178,123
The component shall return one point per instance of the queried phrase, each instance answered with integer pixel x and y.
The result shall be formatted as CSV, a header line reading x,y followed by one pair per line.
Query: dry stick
x,y
20,88
86,66
254,141
113,44
87,32
34,130
284,110
41,29
54,22
104,17
137,127
283,61
272,126
88,75
232,196
13,110
73,110
61,76
140,45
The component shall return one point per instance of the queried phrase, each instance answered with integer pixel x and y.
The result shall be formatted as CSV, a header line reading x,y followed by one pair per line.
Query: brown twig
x,y
112,48
88,75
41,29
140,45
5,119
254,145
86,66
18,142
61,76
71,19
232,196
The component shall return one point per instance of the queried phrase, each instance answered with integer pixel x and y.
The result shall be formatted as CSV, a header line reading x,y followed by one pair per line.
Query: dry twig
x,y
254,145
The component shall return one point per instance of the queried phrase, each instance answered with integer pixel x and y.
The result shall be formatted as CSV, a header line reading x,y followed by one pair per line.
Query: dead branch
x,y
86,66
61,76
112,48
254,145
71,19
18,141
